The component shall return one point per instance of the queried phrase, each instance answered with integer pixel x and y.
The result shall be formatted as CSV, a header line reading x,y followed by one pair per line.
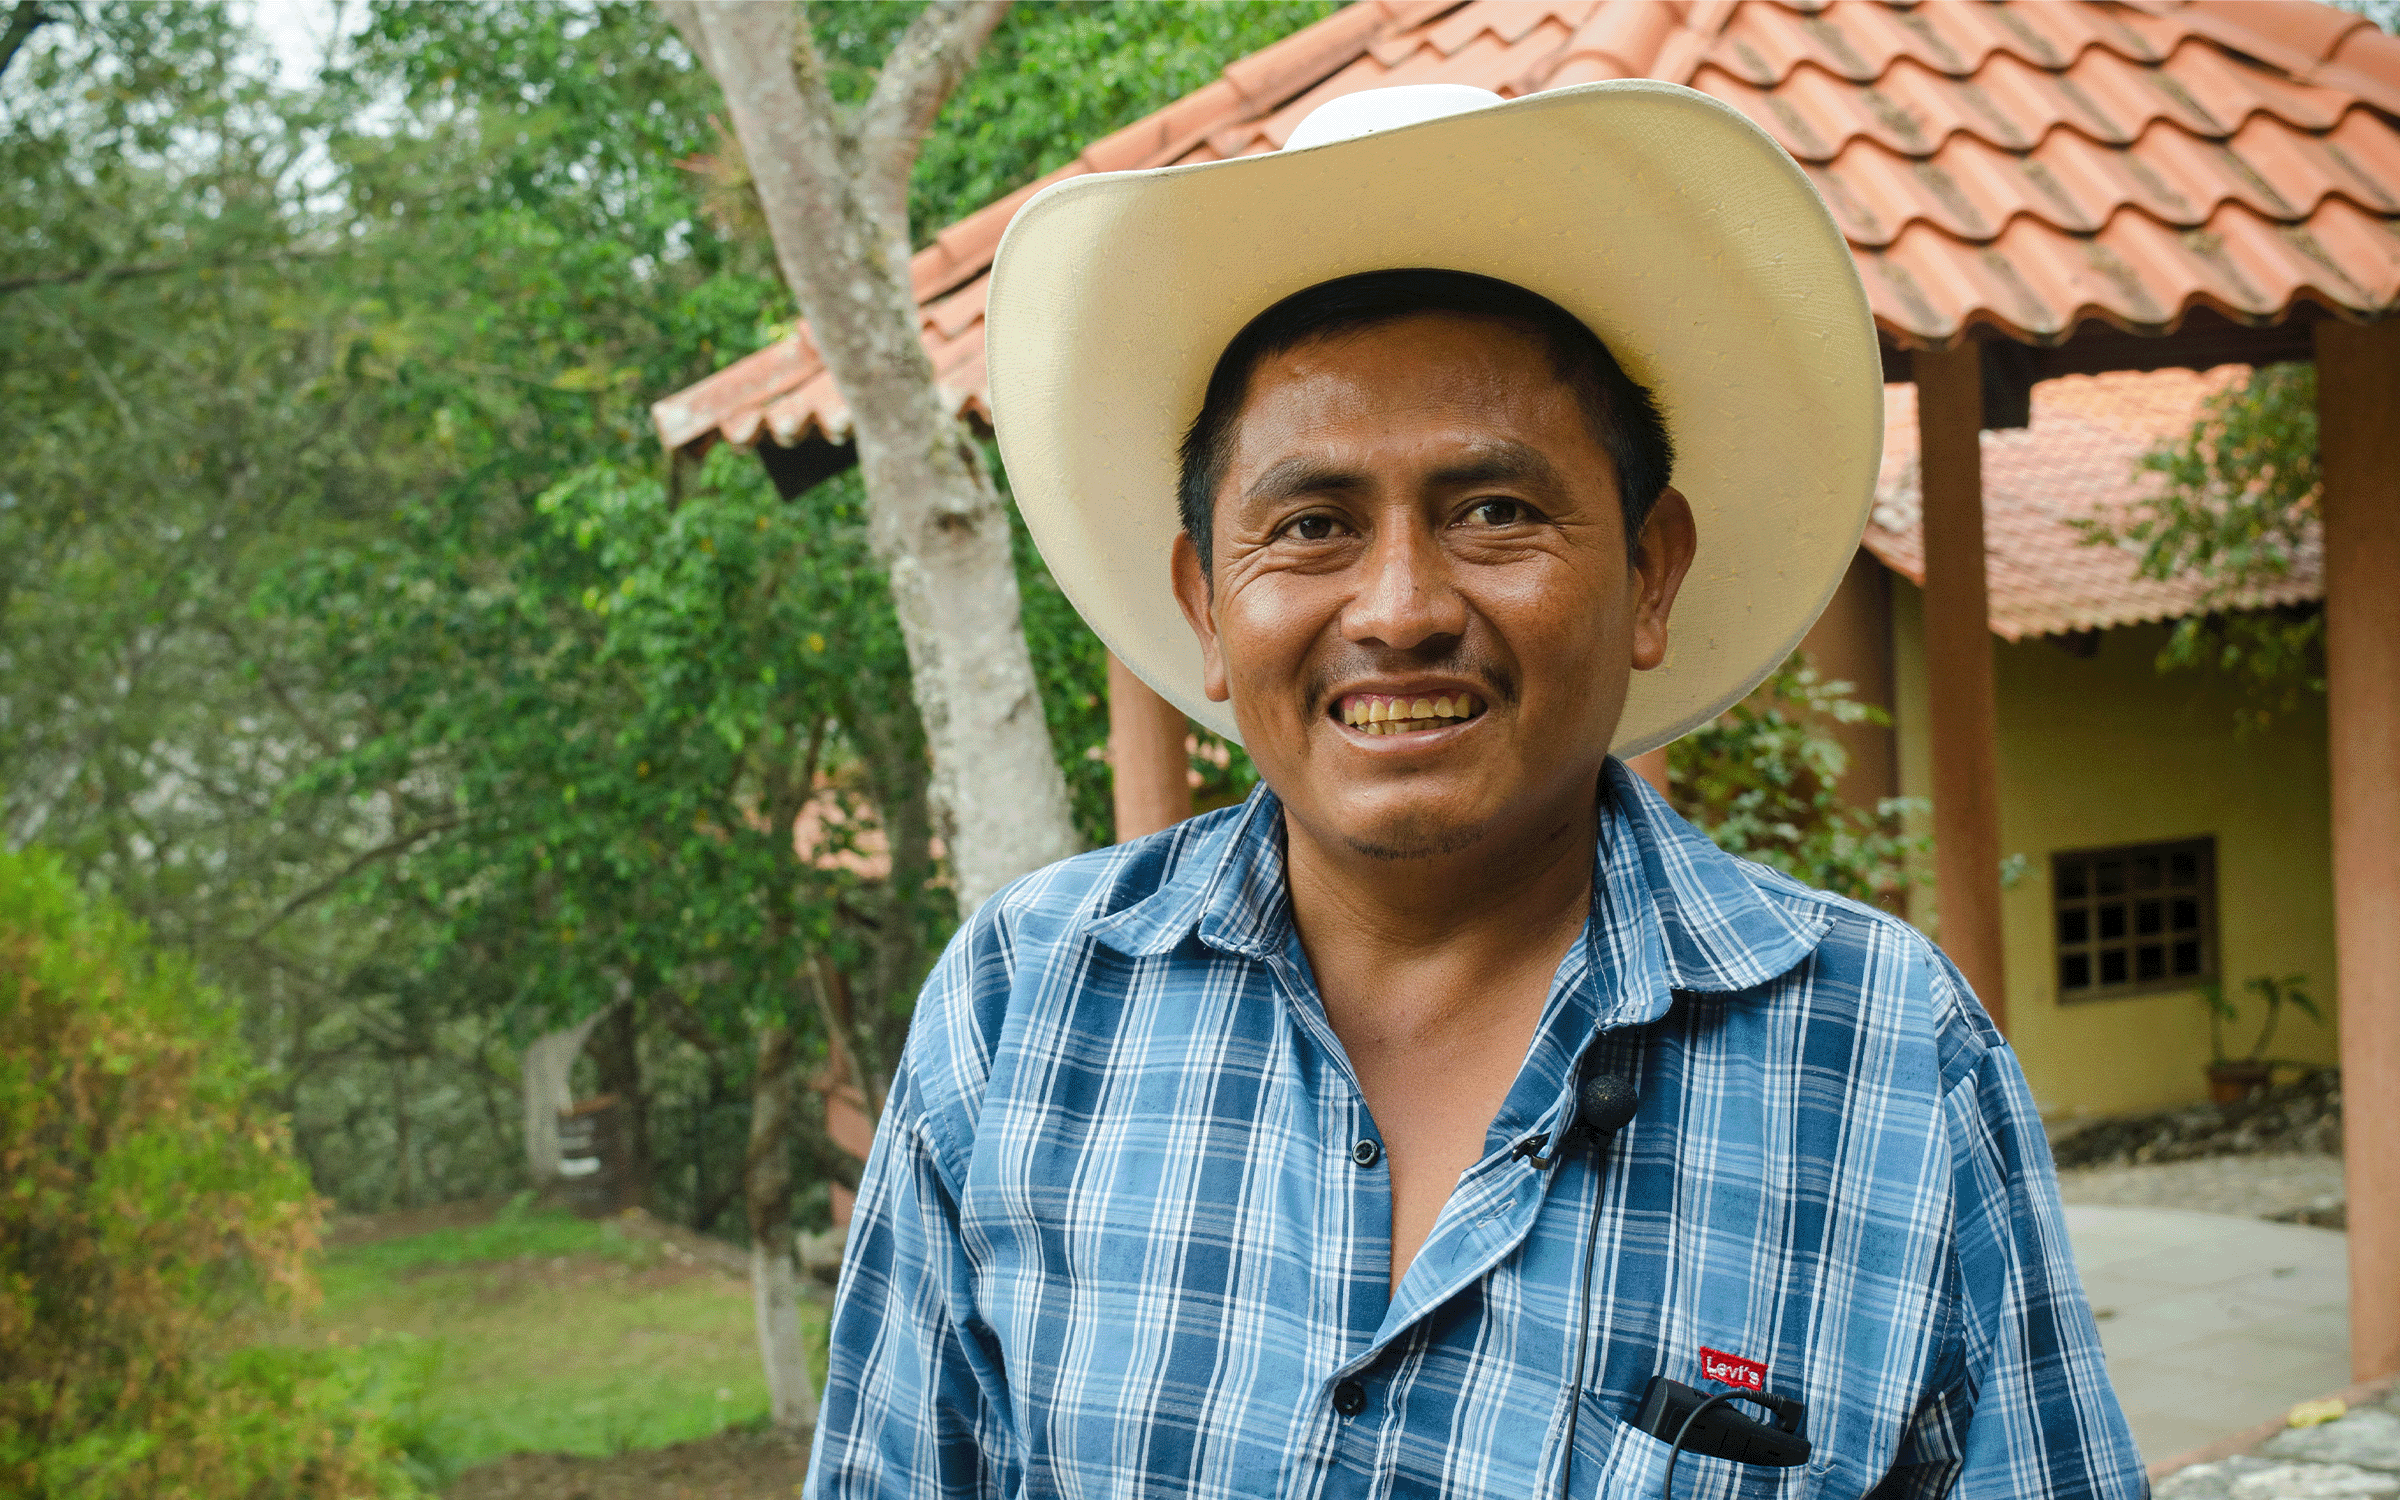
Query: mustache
x,y
1452,659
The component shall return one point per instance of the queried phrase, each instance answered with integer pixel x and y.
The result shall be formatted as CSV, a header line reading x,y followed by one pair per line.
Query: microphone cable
x,y
1603,1106
1583,1336
1666,1488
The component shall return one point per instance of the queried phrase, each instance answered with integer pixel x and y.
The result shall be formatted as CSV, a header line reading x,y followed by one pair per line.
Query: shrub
x,y
152,1221
1759,779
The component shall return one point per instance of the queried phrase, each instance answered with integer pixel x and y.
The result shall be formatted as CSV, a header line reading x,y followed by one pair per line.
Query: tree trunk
x,y
834,192
774,1277
616,1049
403,1191
548,1062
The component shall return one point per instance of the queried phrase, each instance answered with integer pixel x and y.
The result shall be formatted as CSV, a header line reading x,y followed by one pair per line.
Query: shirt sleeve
x,y
915,1403
2028,1410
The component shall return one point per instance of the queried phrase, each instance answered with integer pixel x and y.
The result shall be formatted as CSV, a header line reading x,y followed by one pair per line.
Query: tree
x,y
2234,508
1760,780
356,642
833,184
154,1209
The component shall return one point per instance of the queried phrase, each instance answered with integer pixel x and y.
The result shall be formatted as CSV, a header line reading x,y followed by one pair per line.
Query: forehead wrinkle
x,y
1302,474
1501,461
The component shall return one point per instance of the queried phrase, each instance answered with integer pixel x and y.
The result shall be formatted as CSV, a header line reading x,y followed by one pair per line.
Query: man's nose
x,y
1406,595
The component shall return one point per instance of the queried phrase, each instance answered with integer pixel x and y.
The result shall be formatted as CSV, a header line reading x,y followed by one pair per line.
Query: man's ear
x,y
1196,594
1661,559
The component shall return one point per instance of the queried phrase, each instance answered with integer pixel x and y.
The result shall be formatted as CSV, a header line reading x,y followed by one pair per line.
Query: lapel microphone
x,y
1603,1106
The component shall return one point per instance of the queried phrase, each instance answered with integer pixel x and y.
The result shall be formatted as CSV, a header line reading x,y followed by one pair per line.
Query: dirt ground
x,y
730,1466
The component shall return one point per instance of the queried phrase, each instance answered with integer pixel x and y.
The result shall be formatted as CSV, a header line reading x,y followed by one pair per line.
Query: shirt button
x,y
1350,1398
1366,1153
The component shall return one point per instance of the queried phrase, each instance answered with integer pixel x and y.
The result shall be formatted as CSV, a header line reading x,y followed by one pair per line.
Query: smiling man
x,y
1450,1118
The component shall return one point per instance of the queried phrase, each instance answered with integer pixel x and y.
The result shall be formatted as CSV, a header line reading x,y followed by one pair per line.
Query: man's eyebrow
x,y
1504,462
1302,475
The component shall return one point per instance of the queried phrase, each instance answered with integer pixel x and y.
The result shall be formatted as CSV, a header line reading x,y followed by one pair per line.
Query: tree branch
x,y
930,58
684,16
325,887
23,18
144,268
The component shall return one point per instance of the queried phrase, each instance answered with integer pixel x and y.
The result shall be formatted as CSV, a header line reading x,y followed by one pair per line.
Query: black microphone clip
x,y
1603,1106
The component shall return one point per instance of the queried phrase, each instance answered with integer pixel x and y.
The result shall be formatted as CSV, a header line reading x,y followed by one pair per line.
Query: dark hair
x,y
1623,416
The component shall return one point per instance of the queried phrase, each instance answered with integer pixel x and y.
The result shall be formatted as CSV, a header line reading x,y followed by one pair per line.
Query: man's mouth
x,y
1378,713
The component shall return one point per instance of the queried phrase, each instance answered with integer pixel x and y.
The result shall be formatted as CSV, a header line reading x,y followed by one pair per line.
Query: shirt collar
x,y
1716,932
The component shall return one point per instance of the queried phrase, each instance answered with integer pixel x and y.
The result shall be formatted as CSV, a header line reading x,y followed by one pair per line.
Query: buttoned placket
x,y
1489,1214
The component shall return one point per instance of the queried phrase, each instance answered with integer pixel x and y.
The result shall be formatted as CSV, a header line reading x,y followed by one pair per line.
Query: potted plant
x,y
2233,1079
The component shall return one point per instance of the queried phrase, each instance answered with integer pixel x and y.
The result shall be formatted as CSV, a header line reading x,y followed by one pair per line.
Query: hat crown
x,y
1371,110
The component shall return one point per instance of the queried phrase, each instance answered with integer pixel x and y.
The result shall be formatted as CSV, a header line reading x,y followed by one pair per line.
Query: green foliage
x,y
2235,505
295,664
1760,778
1056,76
151,1205
2291,989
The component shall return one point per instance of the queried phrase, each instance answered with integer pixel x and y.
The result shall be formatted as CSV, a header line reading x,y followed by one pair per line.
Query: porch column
x,y
1147,763
1651,766
2358,446
1958,669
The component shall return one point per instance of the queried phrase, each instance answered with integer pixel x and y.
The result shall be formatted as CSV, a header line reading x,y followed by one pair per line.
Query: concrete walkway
x,y
2212,1324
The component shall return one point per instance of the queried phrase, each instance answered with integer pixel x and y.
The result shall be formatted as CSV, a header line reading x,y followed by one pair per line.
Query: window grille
x,y
2134,920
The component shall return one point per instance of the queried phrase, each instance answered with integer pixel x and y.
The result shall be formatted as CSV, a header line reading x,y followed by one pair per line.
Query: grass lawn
x,y
541,1333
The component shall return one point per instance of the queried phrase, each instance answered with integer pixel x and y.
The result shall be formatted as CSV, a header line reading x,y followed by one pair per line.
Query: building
x,y
2103,761
2032,191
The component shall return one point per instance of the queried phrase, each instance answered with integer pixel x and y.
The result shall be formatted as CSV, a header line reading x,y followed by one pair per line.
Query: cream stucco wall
x,y
2106,750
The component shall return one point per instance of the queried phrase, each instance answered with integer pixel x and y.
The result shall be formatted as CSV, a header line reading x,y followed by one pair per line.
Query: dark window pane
x,y
2183,867
2187,956
2074,971
2112,921
2149,918
2150,962
2109,876
2112,966
2187,915
2074,879
2146,872
2074,925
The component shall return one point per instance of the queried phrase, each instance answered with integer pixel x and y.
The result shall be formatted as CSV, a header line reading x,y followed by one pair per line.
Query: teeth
x,y
1405,715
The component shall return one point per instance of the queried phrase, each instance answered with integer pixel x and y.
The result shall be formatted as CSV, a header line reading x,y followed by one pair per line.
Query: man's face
x,y
1422,606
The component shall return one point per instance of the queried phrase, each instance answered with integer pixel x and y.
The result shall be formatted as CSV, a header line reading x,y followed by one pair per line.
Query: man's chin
x,y
1423,835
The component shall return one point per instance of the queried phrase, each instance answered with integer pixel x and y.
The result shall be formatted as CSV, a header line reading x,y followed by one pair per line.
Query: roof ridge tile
x,y
2024,169
1626,35
1310,50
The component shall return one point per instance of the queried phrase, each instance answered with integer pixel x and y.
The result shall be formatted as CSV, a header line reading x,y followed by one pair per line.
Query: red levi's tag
x,y
1732,1369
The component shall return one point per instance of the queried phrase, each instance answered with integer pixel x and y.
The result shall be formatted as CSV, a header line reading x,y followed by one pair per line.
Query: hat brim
x,y
1674,227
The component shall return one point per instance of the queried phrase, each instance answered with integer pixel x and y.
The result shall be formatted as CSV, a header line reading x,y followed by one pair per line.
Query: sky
x,y
299,29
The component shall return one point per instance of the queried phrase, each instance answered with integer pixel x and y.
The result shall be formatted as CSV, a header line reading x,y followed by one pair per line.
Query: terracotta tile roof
x,y
2028,167
2075,460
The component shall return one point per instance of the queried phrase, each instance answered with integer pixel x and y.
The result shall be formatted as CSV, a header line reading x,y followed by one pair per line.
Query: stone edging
x,y
2355,1455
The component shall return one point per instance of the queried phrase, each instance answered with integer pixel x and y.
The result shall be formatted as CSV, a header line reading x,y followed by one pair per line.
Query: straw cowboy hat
x,y
1672,226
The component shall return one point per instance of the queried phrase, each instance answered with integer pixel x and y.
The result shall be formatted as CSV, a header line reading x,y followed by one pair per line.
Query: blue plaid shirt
x,y
1116,1236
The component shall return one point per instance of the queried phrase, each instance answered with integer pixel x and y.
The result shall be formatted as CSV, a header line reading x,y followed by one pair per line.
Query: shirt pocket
x,y
1620,1461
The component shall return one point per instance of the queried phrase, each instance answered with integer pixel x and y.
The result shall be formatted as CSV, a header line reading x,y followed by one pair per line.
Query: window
x,y
2135,920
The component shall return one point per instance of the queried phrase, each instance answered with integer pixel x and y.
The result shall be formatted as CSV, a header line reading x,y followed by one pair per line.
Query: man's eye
x,y
1310,528
1499,512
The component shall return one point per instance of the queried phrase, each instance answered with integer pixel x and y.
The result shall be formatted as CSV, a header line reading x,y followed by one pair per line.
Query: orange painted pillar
x,y
1150,769
1651,766
1958,670
1852,642
2358,415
